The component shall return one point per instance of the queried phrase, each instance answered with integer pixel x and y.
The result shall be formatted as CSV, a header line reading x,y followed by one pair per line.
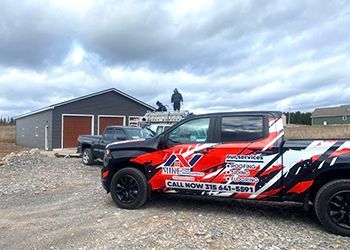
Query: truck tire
x,y
129,188
87,157
332,206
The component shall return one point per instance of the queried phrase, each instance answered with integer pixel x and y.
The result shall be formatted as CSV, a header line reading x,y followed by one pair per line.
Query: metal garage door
x,y
73,126
105,121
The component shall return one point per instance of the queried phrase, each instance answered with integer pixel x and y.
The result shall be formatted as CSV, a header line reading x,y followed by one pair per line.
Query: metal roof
x,y
85,97
343,110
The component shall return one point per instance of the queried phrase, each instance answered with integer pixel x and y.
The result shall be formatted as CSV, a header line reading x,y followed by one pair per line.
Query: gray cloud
x,y
33,34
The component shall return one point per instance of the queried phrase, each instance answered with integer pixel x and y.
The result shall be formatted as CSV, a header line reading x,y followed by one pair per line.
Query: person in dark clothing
x,y
161,107
176,99
143,123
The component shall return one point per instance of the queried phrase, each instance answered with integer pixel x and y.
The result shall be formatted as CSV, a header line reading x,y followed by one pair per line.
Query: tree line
x,y
7,121
298,118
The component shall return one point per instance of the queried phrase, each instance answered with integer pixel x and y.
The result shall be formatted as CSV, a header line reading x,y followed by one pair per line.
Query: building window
x,y
134,121
345,118
36,131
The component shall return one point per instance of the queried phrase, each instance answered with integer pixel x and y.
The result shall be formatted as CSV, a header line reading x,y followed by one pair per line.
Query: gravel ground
x,y
49,203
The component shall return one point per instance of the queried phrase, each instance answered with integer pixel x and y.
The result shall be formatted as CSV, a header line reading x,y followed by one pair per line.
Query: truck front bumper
x,y
105,174
105,185
79,149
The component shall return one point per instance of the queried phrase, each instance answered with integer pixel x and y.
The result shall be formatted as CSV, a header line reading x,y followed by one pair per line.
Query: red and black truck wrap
x,y
241,155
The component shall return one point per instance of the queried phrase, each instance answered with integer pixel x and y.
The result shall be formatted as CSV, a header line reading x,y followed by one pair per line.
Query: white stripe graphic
x,y
344,145
333,161
267,185
278,126
292,157
273,141
208,176
321,165
198,148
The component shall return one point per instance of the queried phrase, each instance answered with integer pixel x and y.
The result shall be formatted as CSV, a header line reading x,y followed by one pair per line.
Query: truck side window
x,y
194,131
119,135
114,134
159,130
242,128
108,134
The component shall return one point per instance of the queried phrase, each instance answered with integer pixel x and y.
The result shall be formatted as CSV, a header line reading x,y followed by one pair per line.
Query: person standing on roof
x,y
177,100
161,107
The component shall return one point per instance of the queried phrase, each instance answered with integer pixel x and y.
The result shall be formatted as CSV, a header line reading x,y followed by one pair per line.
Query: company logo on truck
x,y
179,165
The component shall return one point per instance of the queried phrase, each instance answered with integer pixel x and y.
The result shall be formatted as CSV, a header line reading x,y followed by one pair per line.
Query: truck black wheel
x,y
87,157
129,188
332,206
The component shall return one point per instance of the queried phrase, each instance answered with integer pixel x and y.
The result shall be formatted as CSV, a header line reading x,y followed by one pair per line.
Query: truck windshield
x,y
137,133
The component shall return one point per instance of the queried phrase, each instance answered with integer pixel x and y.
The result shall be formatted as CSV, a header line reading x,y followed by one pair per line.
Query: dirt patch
x,y
8,141
8,134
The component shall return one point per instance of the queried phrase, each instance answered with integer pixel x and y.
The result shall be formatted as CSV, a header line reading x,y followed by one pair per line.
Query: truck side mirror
x,y
162,142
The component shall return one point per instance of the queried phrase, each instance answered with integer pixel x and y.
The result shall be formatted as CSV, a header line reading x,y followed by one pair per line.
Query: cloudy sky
x,y
222,55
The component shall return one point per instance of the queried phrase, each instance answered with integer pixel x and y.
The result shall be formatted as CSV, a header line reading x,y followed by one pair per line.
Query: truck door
x,y
251,166
185,156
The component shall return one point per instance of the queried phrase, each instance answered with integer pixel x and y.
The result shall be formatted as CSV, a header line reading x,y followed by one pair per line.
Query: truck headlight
x,y
107,152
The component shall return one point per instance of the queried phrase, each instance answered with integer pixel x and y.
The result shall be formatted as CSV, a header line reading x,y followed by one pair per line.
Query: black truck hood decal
x,y
151,143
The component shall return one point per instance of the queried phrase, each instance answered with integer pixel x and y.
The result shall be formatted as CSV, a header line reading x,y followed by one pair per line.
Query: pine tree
x,y
298,118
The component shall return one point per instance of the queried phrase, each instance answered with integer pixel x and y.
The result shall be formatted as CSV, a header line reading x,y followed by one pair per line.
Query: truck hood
x,y
151,143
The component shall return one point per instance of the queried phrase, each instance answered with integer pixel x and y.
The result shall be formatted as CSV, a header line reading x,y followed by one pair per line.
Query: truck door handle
x,y
266,152
201,151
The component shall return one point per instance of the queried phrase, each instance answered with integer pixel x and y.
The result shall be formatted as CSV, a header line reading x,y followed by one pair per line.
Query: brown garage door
x,y
73,126
110,121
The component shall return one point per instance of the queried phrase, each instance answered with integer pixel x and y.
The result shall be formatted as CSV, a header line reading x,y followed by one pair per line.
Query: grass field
x,y
317,132
8,141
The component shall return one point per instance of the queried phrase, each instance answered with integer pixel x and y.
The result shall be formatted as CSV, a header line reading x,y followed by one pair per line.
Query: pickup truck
x,y
92,146
237,155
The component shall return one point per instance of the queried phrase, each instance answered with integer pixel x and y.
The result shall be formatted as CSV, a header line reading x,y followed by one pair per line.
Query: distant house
x,y
58,126
331,115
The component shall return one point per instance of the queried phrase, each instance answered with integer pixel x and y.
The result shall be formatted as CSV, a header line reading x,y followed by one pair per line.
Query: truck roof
x,y
119,126
277,114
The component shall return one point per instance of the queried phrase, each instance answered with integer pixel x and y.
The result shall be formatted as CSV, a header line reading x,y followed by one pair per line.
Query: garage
x,y
105,120
73,126
59,125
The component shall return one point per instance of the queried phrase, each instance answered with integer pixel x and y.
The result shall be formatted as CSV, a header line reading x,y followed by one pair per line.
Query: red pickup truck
x,y
240,155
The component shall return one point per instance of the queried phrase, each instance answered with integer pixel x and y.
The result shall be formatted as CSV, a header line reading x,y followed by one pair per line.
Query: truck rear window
x,y
242,128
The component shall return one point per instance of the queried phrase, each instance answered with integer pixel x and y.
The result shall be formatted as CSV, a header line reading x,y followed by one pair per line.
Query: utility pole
x,y
289,116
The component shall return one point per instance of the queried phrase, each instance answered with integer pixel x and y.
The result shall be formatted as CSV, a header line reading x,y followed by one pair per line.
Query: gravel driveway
x,y
49,203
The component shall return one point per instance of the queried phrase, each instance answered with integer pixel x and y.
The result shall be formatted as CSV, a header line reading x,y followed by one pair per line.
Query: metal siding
x,y
330,120
110,103
25,130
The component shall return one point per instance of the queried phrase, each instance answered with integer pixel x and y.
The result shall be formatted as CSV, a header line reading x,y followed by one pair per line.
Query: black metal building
x,y
58,126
